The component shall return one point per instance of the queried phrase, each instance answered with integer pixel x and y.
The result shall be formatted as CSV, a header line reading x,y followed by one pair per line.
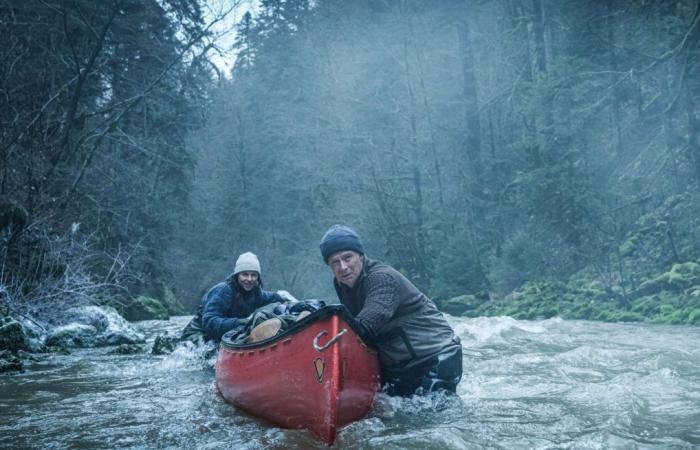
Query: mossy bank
x,y
672,297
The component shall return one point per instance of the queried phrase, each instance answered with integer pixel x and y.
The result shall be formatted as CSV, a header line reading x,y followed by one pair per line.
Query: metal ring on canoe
x,y
330,342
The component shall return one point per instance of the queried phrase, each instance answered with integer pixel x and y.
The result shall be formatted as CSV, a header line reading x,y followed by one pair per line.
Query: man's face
x,y
346,266
248,280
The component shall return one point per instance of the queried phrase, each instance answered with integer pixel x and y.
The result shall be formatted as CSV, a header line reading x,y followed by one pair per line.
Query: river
x,y
543,384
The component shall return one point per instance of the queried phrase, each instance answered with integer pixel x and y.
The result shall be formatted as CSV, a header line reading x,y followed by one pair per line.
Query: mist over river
x,y
541,384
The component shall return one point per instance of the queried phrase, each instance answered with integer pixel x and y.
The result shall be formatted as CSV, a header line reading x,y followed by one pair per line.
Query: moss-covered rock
x,y
648,239
126,349
629,246
164,344
9,362
14,217
56,349
112,327
173,303
626,316
12,335
672,297
668,308
146,308
72,335
670,316
694,316
684,275
34,334
93,326
647,306
463,305
679,278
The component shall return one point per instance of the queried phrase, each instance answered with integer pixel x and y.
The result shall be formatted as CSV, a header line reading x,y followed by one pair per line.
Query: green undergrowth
x,y
672,297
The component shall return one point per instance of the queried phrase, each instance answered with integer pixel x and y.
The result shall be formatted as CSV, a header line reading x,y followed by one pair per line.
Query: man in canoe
x,y
229,303
418,350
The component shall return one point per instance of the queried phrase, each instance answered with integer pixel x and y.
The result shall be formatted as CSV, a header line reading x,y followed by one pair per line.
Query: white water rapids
x,y
544,384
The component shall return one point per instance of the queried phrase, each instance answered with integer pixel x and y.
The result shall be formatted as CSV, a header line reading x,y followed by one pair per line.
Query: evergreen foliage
x,y
479,147
96,101
525,157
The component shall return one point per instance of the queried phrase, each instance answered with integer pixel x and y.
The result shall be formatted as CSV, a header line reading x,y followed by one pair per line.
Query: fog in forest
x,y
510,157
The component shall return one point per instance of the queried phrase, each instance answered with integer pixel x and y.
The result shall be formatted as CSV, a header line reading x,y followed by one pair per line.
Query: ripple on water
x,y
483,329
682,361
546,384
418,422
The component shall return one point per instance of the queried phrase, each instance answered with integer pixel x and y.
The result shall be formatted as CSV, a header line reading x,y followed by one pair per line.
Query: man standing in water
x,y
418,351
229,303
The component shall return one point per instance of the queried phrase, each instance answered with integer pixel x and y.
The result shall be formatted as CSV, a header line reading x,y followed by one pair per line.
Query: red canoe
x,y
317,375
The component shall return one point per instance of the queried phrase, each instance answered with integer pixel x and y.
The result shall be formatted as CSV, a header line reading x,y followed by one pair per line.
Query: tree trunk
x,y
472,119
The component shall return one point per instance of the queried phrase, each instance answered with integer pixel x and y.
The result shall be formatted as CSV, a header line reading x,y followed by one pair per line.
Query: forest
x,y
530,158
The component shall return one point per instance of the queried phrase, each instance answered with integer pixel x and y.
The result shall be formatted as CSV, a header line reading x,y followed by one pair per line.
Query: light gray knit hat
x,y
247,262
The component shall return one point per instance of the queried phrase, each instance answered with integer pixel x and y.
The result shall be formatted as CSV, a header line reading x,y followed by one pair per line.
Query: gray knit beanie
x,y
339,238
247,262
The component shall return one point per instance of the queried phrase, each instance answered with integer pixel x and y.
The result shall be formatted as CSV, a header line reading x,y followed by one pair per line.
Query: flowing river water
x,y
544,384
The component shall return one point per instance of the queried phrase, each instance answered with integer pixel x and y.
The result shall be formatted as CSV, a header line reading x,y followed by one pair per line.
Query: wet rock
x,y
164,345
14,217
12,335
56,349
100,317
26,356
72,335
146,308
110,327
115,338
93,326
34,335
173,302
458,306
470,305
9,362
127,349
694,317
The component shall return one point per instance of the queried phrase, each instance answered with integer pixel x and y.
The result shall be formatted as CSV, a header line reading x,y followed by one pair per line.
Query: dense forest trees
x,y
486,149
97,101
477,146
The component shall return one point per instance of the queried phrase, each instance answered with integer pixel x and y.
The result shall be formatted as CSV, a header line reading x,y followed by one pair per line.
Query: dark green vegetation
x,y
97,99
534,158
667,299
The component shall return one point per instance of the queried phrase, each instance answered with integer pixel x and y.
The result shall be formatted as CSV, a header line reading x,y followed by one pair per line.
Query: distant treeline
x,y
486,149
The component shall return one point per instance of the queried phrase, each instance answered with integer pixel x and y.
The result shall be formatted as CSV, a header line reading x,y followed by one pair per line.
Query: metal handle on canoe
x,y
330,342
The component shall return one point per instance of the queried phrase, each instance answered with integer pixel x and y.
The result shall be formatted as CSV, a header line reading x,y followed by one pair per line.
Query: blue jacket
x,y
226,305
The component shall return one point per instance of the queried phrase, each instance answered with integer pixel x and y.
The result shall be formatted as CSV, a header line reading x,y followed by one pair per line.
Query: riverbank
x,y
23,338
672,297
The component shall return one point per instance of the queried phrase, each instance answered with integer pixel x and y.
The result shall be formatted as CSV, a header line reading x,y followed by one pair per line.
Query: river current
x,y
546,384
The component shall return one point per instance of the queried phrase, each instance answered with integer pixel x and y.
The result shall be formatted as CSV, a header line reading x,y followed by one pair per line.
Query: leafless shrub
x,y
60,271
